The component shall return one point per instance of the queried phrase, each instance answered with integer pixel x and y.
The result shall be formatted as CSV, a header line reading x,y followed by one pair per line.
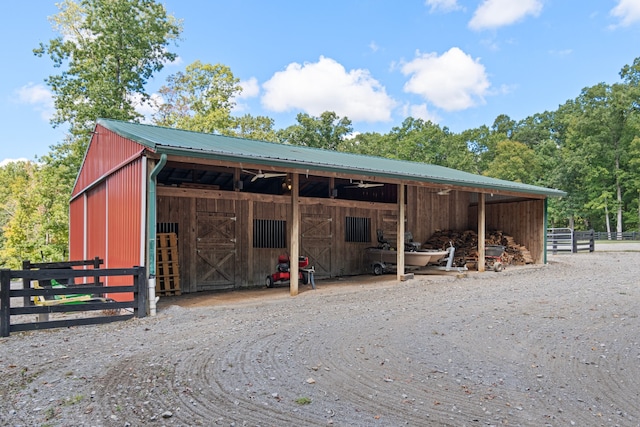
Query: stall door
x,y
316,236
215,250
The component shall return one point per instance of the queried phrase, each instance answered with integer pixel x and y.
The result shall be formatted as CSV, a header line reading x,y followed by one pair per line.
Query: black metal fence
x,y
568,240
52,299
625,235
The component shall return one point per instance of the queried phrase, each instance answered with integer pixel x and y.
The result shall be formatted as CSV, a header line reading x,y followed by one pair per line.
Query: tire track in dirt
x,y
522,348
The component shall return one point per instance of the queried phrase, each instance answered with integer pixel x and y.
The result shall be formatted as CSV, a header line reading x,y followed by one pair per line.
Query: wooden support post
x,y
249,237
294,269
26,284
481,231
236,179
400,244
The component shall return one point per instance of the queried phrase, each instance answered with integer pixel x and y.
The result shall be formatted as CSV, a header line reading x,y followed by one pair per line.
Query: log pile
x,y
466,244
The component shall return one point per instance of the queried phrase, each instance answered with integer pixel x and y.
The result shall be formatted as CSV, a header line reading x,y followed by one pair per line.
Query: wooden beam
x,y
400,248
294,268
481,231
193,162
249,239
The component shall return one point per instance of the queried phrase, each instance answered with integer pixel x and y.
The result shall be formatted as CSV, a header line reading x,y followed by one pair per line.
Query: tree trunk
x,y
619,200
606,218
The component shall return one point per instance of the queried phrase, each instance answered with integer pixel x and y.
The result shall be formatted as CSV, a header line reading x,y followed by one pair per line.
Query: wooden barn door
x,y
317,234
215,250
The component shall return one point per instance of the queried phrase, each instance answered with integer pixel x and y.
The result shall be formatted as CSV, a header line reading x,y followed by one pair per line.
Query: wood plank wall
x,y
426,212
522,219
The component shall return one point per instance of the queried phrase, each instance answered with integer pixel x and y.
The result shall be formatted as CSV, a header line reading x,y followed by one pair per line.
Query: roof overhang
x,y
228,150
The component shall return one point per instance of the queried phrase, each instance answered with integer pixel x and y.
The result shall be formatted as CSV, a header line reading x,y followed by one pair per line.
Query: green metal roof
x,y
210,146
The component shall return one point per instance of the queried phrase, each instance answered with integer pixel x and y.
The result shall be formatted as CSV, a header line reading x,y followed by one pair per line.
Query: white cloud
x,y
420,111
5,162
561,53
250,88
453,81
326,86
628,11
146,108
499,13
443,5
39,96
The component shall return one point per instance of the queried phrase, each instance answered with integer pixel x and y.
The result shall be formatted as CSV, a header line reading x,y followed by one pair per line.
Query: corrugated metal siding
x,y
124,219
76,229
96,223
106,151
111,180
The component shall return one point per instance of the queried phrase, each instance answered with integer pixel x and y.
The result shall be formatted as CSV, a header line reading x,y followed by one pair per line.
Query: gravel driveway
x,y
555,345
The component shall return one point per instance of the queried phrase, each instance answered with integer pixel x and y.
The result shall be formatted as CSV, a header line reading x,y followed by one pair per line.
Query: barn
x,y
236,204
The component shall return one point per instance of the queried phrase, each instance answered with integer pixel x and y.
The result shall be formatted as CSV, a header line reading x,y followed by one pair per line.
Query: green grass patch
x,y
303,401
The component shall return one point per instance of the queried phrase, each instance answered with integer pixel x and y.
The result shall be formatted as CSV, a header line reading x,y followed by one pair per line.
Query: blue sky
x,y
457,63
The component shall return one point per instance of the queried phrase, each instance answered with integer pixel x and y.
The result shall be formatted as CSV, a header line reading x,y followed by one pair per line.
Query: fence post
x,y
574,242
26,283
592,243
140,281
5,303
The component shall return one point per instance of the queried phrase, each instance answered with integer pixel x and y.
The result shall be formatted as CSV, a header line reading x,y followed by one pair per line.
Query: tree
x,y
200,99
481,142
514,161
107,51
110,49
369,143
260,128
19,222
598,128
327,131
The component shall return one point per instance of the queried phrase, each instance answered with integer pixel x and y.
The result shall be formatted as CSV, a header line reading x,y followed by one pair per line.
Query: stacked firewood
x,y
466,244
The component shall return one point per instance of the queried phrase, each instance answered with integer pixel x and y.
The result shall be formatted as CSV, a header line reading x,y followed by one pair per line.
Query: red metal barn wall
x,y
76,229
107,208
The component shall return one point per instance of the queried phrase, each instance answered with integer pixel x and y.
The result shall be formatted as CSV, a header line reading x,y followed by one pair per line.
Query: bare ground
x,y
555,345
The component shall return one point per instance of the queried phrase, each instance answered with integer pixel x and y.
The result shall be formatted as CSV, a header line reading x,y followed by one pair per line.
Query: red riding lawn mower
x,y
283,274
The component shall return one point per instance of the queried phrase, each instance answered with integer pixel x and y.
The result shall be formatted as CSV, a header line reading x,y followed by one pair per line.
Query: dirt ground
x,y
554,345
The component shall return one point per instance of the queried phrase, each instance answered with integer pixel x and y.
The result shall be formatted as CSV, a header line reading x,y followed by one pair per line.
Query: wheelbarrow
x,y
65,299
493,257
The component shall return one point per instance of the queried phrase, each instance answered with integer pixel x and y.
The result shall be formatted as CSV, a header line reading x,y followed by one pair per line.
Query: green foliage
x,y
109,50
415,140
327,131
250,127
303,401
18,215
200,99
600,125
514,161
34,202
